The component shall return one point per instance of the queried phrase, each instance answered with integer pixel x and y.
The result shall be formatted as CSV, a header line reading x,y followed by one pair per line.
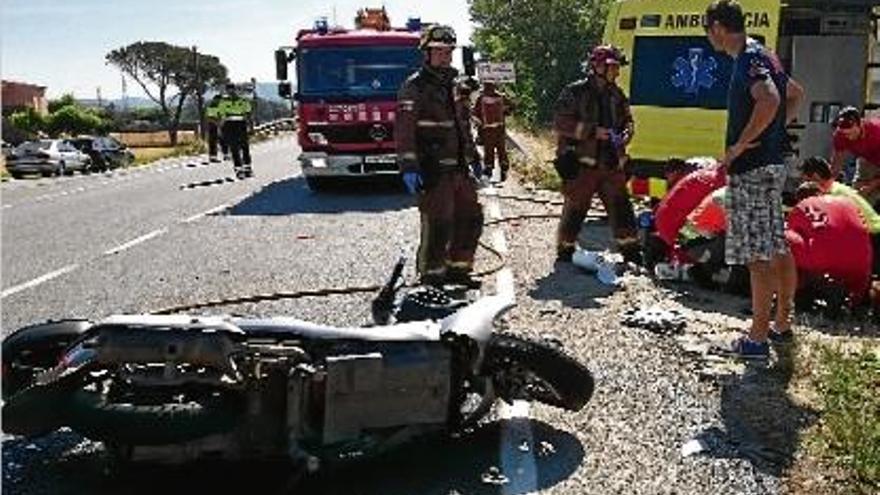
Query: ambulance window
x,y
678,72
627,23
650,21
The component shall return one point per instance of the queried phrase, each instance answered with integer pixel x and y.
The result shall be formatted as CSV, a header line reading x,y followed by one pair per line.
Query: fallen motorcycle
x,y
172,389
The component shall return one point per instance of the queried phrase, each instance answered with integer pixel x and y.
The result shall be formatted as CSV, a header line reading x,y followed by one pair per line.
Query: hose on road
x,y
336,291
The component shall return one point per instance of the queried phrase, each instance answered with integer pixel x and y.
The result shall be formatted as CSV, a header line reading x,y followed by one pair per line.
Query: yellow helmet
x,y
438,36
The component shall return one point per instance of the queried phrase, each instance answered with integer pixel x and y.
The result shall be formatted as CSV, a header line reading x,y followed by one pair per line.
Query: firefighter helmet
x,y
607,54
438,36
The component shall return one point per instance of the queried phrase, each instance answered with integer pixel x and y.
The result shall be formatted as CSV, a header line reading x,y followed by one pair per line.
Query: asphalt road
x,y
185,231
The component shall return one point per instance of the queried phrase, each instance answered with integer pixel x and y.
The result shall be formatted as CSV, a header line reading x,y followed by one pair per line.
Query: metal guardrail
x,y
274,127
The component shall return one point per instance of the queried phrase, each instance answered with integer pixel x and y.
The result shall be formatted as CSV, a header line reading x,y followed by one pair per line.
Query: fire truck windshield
x,y
362,70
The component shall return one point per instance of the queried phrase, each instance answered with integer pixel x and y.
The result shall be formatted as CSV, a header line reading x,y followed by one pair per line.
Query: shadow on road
x,y
436,467
572,286
762,423
293,196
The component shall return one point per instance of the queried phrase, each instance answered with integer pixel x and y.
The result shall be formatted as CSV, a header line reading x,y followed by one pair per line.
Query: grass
x,y
848,385
143,156
536,168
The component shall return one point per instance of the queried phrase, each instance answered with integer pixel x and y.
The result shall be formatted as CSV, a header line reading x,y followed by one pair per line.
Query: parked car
x,y
106,152
47,157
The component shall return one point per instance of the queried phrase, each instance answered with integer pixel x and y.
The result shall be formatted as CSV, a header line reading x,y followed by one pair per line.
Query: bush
x,y
74,120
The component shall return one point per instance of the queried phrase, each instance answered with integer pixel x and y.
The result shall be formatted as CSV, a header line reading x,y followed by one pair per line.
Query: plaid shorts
x,y
755,221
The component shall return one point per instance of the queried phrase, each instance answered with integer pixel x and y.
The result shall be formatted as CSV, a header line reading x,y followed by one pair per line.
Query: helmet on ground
x,y
438,36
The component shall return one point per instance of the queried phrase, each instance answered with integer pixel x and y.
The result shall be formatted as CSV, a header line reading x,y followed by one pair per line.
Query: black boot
x,y
433,279
459,276
564,254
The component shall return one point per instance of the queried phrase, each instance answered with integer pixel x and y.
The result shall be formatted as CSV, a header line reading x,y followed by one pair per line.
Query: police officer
x,y
438,161
212,115
489,111
593,125
234,112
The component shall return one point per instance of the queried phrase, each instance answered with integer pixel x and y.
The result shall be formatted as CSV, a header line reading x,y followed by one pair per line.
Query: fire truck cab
x,y
346,94
677,84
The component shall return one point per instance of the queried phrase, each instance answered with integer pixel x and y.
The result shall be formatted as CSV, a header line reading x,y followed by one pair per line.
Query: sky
x,y
61,44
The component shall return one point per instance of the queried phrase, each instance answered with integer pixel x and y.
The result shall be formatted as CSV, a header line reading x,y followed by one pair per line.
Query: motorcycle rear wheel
x,y
96,417
531,370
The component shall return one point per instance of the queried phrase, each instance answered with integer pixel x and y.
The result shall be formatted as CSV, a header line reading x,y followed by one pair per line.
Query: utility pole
x,y
254,110
200,97
124,95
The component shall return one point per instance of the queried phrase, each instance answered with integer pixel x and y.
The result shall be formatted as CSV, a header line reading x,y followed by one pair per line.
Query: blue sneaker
x,y
746,348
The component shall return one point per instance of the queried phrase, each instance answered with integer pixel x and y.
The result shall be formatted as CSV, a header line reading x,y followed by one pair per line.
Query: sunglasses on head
x,y
844,124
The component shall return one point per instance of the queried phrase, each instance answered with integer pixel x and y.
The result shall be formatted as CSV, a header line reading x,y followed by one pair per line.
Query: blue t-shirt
x,y
755,64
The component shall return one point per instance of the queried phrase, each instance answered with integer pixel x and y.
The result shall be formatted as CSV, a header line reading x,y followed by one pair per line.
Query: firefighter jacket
x,y
432,131
580,109
490,110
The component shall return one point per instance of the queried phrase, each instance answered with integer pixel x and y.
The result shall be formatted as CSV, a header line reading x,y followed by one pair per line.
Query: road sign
x,y
499,72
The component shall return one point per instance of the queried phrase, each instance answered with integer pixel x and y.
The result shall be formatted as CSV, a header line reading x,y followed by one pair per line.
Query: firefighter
x,y
212,115
489,111
593,125
439,163
234,112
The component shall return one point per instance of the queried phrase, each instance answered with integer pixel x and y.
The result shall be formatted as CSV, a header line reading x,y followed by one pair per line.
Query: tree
x,y
28,122
546,39
73,120
66,100
162,69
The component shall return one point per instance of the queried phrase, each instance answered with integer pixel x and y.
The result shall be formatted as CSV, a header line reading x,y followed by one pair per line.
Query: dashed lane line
x,y
134,242
37,281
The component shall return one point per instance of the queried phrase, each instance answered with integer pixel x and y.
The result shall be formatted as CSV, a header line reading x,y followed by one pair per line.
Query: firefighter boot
x,y
462,276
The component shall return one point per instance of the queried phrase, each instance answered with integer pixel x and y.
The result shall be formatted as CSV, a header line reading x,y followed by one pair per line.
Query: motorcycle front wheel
x,y
536,371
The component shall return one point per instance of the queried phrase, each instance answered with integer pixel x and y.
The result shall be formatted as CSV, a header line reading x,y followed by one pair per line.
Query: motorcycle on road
x,y
172,389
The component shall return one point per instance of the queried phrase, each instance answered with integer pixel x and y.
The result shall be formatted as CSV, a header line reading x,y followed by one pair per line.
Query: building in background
x,y
19,95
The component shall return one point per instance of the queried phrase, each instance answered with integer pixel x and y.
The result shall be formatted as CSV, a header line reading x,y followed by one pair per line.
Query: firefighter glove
x,y
477,170
412,181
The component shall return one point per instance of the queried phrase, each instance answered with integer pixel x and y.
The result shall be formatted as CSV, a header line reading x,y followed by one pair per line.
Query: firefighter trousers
x,y
494,144
235,135
578,194
451,224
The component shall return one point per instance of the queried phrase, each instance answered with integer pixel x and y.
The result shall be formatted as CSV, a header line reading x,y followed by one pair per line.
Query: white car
x,y
47,157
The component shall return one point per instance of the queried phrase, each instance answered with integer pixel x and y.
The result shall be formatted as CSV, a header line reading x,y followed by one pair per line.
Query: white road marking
x,y
134,242
519,466
37,281
203,214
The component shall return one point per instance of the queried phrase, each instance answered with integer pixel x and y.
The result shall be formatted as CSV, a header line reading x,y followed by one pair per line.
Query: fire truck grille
x,y
357,134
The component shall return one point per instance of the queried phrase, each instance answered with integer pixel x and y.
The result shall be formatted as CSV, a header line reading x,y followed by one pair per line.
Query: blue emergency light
x,y
321,25
414,24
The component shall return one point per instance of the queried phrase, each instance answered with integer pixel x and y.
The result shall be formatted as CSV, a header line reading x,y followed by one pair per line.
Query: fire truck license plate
x,y
380,159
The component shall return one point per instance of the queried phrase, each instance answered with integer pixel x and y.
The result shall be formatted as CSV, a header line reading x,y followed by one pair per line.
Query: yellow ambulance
x,y
677,84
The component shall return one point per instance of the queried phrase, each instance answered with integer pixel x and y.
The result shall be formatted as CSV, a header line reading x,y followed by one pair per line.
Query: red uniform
x,y
867,146
828,237
489,111
687,194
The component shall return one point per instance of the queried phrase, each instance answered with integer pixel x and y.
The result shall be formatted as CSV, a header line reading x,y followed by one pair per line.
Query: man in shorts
x,y
762,99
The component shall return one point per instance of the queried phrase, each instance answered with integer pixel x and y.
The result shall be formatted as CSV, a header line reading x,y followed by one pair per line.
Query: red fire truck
x,y
346,94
